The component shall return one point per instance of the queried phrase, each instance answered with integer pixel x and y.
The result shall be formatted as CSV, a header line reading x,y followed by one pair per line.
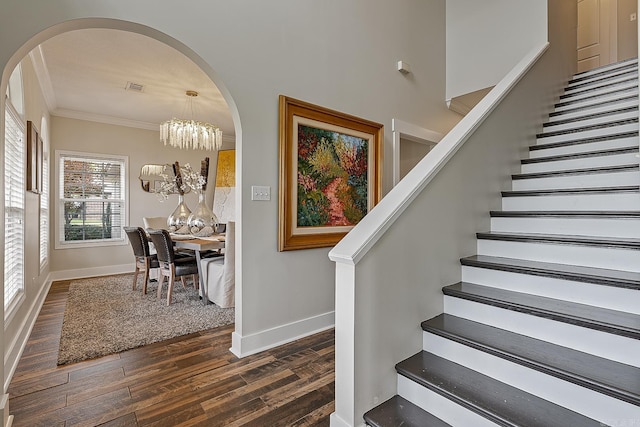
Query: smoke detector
x,y
134,87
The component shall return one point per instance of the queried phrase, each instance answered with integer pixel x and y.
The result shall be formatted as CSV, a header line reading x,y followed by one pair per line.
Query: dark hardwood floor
x,y
188,381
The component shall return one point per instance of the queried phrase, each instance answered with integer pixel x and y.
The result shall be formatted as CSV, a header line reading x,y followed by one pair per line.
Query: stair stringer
x,y
429,229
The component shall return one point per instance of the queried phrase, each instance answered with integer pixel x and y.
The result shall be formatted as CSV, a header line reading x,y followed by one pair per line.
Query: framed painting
x,y
224,196
34,159
329,173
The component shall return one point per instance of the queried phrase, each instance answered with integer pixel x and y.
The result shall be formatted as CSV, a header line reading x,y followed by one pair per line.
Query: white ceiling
x,y
84,75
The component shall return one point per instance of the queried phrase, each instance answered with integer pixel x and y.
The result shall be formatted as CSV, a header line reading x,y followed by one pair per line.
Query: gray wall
x,y
627,29
485,39
333,53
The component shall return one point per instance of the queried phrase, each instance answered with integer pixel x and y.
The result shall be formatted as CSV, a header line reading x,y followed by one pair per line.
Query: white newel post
x,y
345,346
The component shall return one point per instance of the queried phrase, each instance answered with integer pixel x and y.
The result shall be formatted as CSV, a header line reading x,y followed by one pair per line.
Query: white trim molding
x,y
411,132
246,345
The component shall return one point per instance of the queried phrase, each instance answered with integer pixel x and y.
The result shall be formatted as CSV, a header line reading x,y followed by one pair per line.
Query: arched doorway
x,y
16,327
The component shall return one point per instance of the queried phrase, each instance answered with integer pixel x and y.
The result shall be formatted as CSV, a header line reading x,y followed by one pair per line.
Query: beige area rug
x,y
104,316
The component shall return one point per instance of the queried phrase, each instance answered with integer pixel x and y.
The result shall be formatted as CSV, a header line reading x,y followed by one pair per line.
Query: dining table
x,y
199,245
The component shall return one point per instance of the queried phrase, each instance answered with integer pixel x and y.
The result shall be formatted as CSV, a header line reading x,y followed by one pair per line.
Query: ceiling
x,y
85,75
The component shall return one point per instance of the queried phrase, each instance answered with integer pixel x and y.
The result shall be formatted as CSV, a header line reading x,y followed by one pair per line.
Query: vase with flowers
x,y
177,221
202,221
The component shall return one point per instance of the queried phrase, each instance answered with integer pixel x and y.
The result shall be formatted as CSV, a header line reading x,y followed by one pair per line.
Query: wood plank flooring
x,y
187,381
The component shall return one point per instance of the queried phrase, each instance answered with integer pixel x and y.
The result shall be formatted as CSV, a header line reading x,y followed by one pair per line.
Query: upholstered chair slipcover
x,y
219,273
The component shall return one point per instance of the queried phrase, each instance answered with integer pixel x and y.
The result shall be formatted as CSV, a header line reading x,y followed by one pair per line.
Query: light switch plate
x,y
259,192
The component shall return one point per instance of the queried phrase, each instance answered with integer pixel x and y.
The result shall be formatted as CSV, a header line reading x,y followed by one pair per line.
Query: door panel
x,y
596,28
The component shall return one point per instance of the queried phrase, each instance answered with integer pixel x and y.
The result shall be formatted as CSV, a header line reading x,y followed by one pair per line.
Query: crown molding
x,y
44,78
118,121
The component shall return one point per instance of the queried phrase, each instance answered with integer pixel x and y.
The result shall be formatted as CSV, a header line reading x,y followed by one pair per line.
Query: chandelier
x,y
183,133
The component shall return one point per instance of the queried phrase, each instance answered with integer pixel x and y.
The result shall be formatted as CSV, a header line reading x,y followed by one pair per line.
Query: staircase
x,y
544,329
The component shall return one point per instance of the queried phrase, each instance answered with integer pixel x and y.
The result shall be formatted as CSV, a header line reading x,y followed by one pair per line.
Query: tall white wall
x,y
333,53
16,327
485,39
385,289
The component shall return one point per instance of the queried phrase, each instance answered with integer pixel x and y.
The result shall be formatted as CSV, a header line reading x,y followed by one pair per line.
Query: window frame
x,y
59,203
18,297
44,208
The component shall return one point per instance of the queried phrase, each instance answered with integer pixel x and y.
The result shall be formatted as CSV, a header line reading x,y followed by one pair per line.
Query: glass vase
x,y
178,220
202,221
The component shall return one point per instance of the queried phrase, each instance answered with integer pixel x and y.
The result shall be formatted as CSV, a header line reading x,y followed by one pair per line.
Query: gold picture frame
x,y
35,157
329,173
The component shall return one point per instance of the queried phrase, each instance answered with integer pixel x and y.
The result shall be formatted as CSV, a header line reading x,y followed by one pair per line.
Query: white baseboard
x,y
246,345
14,350
91,272
336,421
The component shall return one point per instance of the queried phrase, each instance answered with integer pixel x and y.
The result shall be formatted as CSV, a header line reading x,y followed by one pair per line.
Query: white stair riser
x,y
614,347
588,256
610,81
599,92
609,297
584,147
572,202
593,133
586,113
593,180
439,406
591,102
604,227
586,162
569,395
593,121
611,68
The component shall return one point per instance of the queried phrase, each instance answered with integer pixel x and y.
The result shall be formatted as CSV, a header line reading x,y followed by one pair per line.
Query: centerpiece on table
x,y
177,221
202,222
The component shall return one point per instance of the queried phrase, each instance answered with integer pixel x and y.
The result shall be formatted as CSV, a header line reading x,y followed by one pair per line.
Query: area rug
x,y
104,316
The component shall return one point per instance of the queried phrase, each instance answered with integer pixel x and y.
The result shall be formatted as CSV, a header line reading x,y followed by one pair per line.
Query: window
x,y
14,189
44,198
92,200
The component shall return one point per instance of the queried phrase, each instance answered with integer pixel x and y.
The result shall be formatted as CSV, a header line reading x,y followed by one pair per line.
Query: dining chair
x,y
155,222
219,274
145,260
172,266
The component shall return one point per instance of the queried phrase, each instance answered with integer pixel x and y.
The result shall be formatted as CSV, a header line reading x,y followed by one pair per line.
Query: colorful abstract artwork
x,y
329,173
332,178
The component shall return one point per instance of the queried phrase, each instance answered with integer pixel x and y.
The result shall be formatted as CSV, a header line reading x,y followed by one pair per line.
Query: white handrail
x,y
354,246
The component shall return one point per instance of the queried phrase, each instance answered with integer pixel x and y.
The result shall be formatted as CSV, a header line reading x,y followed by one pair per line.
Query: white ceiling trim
x,y
44,78
118,121
101,118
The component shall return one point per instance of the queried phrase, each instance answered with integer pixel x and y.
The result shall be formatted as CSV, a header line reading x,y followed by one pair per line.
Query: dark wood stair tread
x,y
604,84
587,107
580,141
587,128
594,97
597,241
499,402
613,379
602,78
630,63
581,171
566,214
593,275
591,116
398,411
567,191
581,155
587,316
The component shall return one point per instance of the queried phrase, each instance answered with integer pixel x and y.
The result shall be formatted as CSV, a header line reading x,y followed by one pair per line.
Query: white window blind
x,y
14,189
44,208
92,198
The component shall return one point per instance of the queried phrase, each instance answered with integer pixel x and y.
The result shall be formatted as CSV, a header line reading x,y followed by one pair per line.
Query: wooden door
x,y
597,33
